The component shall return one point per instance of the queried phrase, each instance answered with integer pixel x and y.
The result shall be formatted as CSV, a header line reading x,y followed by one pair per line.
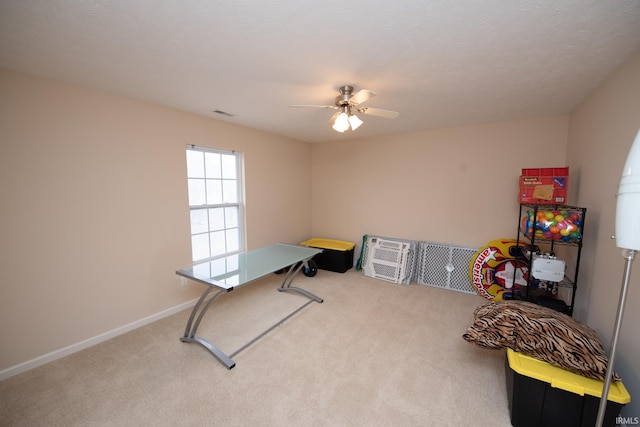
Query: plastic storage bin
x,y
337,254
542,395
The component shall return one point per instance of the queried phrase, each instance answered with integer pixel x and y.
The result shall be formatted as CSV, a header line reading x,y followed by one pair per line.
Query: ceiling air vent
x,y
222,113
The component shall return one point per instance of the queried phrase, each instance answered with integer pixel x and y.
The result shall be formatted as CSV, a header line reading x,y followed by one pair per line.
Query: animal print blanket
x,y
542,333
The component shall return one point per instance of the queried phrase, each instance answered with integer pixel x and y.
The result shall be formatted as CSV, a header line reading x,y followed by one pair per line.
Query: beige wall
x,y
601,132
94,218
456,185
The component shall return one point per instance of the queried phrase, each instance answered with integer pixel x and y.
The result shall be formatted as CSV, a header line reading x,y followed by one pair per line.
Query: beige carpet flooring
x,y
373,354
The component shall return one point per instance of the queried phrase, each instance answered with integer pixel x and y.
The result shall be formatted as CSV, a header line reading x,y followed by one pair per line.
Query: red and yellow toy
x,y
499,269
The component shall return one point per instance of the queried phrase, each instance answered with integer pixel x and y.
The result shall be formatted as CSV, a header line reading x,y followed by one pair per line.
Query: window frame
x,y
207,207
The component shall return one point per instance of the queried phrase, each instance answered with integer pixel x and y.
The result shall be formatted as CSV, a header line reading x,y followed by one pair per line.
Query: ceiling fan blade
x,y
362,96
333,107
387,114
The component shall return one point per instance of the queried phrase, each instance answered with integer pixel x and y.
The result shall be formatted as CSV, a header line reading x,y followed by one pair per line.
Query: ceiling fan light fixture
x,y
355,122
342,122
348,102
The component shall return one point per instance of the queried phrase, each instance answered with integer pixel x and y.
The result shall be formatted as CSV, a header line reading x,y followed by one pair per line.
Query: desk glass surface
x,y
236,270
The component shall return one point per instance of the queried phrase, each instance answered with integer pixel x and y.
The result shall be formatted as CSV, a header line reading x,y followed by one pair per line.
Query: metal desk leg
x,y
206,301
288,279
192,328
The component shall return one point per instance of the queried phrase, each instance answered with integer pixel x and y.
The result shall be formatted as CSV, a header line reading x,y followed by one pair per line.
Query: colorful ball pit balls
x,y
553,225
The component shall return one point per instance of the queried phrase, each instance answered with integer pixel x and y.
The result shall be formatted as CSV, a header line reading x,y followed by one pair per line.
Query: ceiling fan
x,y
347,104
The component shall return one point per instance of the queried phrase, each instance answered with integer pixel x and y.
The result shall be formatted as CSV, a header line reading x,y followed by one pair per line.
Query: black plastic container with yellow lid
x,y
337,255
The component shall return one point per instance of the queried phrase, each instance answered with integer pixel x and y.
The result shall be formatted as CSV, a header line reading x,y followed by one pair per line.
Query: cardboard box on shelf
x,y
544,185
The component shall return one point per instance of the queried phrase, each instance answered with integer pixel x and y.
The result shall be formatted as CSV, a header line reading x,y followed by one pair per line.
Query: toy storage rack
x,y
569,283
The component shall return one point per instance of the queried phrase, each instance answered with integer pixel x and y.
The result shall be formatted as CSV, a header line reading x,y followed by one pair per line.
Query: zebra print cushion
x,y
542,333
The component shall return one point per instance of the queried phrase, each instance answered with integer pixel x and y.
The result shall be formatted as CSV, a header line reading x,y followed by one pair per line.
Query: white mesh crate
x,y
445,266
389,259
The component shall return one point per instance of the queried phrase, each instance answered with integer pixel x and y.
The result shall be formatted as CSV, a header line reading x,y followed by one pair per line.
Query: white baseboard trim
x,y
73,348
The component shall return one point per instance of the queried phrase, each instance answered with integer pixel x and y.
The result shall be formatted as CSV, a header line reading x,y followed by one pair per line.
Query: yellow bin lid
x,y
336,245
563,379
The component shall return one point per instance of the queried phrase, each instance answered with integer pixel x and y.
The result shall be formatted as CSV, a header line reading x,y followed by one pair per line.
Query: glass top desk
x,y
223,275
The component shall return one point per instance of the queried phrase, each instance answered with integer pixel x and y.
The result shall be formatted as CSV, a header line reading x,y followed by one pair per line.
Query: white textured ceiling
x,y
439,62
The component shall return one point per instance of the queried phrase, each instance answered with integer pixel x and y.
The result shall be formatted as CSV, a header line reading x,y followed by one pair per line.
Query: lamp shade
x,y
342,122
354,121
628,201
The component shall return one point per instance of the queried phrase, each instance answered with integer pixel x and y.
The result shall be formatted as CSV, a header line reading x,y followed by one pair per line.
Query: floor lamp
x,y
628,239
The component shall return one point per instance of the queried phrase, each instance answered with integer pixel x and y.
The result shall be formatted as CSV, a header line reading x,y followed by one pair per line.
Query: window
x,y
215,202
